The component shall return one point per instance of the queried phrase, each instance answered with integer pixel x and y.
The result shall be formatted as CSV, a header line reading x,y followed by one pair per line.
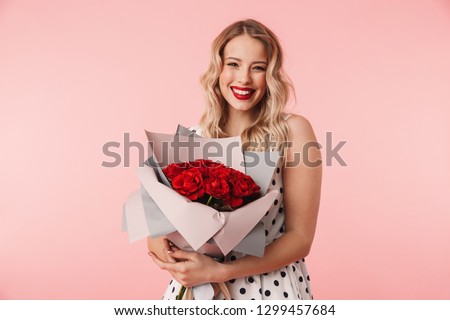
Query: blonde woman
x,y
246,91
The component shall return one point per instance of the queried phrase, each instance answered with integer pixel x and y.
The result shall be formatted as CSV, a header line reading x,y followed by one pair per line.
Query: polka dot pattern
x,y
289,282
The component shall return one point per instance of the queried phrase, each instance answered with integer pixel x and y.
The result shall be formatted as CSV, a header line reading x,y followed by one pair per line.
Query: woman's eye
x,y
232,64
260,68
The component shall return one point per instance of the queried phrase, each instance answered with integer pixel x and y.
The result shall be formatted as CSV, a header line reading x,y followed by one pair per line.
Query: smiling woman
x,y
246,91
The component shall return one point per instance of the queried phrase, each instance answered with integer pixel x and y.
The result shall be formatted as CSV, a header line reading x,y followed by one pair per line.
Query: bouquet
x,y
209,203
212,183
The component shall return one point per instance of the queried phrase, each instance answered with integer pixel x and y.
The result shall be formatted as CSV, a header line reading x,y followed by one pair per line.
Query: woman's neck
x,y
238,121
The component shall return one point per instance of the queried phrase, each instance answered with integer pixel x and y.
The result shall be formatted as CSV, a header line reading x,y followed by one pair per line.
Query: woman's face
x,y
243,77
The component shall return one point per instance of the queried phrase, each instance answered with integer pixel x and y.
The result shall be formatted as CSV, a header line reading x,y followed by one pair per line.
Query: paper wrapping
x,y
157,210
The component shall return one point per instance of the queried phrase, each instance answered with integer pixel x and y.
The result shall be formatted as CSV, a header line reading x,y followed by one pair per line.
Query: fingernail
x,y
169,251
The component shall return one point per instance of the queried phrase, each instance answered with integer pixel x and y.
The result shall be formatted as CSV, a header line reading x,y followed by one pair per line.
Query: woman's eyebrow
x,y
237,59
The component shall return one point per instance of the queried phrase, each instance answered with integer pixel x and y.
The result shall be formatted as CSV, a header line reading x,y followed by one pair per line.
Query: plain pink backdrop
x,y
77,74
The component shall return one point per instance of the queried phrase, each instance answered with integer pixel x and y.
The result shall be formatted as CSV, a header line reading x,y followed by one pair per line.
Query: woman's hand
x,y
168,249
189,268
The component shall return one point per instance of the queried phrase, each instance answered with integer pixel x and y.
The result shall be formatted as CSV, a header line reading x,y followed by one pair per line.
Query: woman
x,y
246,91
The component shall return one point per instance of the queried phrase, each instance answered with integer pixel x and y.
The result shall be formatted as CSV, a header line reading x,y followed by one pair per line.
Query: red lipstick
x,y
242,93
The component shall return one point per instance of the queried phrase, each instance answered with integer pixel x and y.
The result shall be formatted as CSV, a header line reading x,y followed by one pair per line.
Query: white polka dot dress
x,y
290,282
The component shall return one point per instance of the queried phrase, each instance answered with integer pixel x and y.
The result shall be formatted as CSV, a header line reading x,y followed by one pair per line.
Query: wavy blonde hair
x,y
270,123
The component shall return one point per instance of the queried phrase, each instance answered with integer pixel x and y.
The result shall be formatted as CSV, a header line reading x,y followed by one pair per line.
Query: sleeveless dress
x,y
289,282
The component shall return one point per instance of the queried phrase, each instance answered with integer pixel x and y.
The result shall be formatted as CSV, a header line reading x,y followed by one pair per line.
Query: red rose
x,y
189,183
235,202
200,165
174,169
218,188
203,166
213,164
230,187
219,172
243,185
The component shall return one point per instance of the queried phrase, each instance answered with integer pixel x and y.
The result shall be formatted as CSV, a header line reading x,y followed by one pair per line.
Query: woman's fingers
x,y
183,255
166,266
189,268
158,261
167,249
169,266
167,245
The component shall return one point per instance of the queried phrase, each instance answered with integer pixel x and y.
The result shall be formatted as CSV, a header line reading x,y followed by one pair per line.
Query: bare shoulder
x,y
301,130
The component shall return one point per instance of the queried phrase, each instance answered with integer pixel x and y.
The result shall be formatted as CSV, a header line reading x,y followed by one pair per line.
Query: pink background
x,y
77,74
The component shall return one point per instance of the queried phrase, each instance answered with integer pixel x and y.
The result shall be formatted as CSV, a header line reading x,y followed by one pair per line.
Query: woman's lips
x,y
242,93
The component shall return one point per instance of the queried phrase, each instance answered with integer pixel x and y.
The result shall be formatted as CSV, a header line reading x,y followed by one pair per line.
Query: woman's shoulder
x,y
302,136
296,121
300,126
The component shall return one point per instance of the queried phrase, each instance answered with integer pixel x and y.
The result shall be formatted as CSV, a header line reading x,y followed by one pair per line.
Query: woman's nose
x,y
244,77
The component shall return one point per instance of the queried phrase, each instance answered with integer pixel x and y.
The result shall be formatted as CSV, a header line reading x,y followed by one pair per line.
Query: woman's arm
x,y
301,184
